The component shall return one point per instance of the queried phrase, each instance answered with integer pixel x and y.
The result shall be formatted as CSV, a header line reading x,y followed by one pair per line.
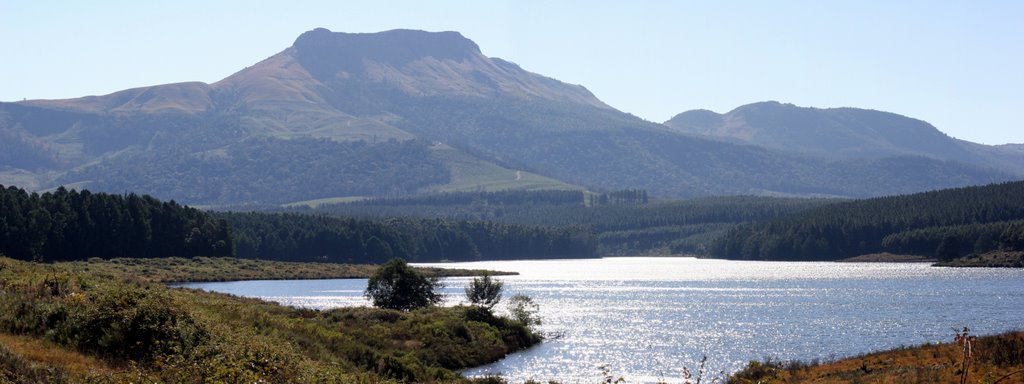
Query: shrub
x,y
484,291
524,310
130,322
396,285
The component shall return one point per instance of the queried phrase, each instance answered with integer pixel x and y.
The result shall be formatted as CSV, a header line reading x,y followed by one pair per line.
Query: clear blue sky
x,y
958,65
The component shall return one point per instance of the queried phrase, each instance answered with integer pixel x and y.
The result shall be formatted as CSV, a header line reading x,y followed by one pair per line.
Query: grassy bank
x,y
197,269
886,257
994,259
991,358
97,322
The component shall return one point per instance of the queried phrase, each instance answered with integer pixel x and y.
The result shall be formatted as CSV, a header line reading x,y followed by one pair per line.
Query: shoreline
x,y
994,259
885,257
177,270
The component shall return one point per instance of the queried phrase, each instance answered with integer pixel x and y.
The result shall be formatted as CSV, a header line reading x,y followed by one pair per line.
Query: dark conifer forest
x,y
624,222
302,237
76,225
944,224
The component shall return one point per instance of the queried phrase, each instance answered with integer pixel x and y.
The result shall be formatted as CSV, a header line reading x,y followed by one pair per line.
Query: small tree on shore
x,y
484,291
948,249
524,310
396,285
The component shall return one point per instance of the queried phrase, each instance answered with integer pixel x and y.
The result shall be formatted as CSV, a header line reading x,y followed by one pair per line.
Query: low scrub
x,y
969,359
152,333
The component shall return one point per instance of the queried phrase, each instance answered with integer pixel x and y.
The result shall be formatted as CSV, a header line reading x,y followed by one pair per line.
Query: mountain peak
x,y
325,53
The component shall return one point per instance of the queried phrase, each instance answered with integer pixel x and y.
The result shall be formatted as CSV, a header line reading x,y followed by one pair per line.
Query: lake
x,y
648,318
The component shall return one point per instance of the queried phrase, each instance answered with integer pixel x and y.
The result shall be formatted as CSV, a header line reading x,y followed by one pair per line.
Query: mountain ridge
x,y
366,93
839,133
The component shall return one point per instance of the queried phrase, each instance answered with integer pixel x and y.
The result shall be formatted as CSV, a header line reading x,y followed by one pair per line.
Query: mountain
x,y
842,133
340,115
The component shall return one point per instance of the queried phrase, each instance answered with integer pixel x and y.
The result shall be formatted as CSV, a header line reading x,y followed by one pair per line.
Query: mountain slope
x,y
840,133
324,117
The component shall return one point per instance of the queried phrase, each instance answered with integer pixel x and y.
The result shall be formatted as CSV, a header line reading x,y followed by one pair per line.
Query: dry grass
x,y
23,357
197,269
992,358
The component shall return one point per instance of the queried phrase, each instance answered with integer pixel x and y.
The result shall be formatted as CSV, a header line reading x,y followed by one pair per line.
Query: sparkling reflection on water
x,y
647,318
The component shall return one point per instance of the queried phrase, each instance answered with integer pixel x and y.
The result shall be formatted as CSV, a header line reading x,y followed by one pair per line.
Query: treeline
x,y
623,197
73,225
731,209
950,242
550,197
944,224
512,197
687,226
301,237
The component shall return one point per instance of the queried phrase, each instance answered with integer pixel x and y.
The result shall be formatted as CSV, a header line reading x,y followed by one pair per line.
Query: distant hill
x,y
842,133
403,112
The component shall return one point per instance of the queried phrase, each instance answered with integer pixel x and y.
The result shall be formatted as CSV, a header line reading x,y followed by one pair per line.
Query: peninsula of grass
x,y
993,259
105,322
886,257
203,269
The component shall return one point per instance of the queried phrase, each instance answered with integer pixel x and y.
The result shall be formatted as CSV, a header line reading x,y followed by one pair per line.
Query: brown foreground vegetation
x,y
102,323
969,359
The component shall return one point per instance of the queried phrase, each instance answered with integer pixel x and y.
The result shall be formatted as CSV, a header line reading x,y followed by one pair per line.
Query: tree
x,y
484,291
948,249
524,310
396,285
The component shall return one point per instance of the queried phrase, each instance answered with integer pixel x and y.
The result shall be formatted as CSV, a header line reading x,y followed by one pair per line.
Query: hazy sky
x,y
958,65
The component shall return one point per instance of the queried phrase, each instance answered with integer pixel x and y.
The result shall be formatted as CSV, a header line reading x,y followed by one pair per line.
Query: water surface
x,y
647,318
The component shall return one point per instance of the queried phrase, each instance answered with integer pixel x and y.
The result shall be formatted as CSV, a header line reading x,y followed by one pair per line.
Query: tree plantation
x,y
72,225
945,224
624,222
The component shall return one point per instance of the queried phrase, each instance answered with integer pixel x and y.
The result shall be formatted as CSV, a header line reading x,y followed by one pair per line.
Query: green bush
x,y
130,322
484,291
524,310
398,286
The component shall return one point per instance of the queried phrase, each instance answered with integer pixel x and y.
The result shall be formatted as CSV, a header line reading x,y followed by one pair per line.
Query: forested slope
x,y
299,237
625,222
77,225
945,224
73,225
